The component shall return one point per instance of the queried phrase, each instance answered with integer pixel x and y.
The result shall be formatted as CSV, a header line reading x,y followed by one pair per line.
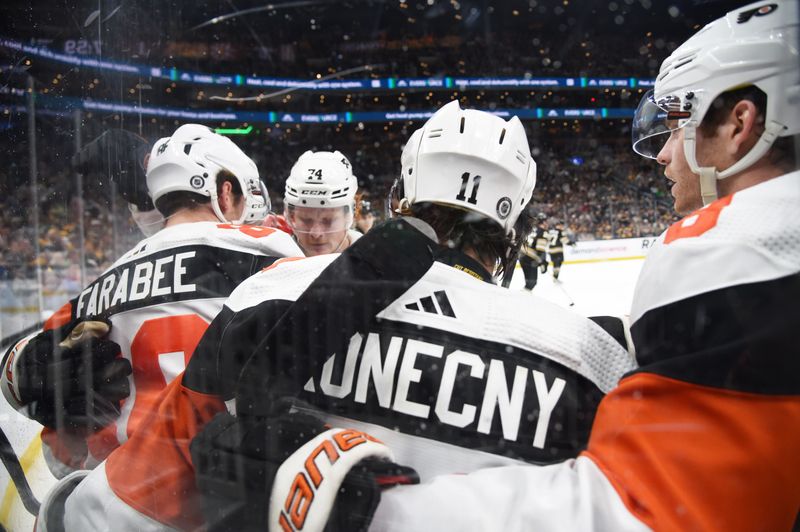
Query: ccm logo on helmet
x,y
744,16
313,192
307,482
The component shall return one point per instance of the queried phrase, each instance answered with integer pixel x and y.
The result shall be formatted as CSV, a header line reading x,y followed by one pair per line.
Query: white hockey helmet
x,y
471,160
321,179
753,45
190,160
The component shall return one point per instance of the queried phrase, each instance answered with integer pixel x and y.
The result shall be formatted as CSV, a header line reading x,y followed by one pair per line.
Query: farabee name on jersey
x,y
393,377
162,276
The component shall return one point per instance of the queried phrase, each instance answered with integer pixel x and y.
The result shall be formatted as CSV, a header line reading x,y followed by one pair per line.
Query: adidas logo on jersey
x,y
438,303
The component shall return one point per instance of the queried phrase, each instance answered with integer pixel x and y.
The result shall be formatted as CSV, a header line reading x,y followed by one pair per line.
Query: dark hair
x,y
782,153
169,204
465,230
357,205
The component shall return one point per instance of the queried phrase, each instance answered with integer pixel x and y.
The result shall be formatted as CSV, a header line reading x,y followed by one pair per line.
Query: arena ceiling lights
x,y
399,84
65,106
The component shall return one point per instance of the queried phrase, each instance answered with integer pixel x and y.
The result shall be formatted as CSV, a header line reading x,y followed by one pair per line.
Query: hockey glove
x,y
119,155
291,472
68,378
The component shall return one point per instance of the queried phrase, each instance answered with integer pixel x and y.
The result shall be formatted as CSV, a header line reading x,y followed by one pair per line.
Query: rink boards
x,y
24,437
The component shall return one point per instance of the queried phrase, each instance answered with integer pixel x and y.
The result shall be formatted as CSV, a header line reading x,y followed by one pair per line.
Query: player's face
x,y
319,231
685,184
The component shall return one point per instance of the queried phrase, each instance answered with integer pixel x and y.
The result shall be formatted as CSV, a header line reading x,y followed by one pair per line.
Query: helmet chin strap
x,y
246,210
218,211
346,236
709,174
339,247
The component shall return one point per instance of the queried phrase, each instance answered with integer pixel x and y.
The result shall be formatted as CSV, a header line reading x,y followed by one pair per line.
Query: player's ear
x,y
742,127
226,199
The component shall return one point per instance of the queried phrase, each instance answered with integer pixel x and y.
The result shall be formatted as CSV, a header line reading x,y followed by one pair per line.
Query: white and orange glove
x,y
291,472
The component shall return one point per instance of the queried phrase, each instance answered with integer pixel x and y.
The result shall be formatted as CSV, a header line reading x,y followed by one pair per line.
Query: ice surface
x,y
596,288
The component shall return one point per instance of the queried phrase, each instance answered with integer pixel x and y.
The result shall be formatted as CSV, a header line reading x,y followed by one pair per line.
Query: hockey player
x,y
365,216
533,253
319,202
452,371
704,435
158,298
557,241
530,259
540,240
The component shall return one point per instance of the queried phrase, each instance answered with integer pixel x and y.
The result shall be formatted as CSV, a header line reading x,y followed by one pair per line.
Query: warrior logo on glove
x,y
307,484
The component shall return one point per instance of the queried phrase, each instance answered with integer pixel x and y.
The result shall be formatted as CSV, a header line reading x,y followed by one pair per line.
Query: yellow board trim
x,y
587,261
11,495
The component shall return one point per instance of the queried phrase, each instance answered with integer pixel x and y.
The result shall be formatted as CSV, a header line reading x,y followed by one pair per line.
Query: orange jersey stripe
x,y
688,457
282,261
61,317
153,471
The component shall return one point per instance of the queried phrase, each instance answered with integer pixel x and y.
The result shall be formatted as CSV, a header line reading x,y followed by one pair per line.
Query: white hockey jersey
x,y
160,297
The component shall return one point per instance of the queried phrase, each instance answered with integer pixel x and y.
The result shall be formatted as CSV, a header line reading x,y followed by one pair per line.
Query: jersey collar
x,y
458,260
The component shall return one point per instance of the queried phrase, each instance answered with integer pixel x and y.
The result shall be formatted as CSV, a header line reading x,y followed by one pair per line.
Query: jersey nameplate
x,y
136,281
177,274
462,392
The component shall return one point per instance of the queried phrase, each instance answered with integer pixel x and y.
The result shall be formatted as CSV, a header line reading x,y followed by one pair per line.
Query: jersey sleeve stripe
x,y
153,471
734,338
60,318
652,454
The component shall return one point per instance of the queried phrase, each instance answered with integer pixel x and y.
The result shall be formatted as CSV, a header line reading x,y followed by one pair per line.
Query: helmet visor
x,y
393,198
654,121
317,220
